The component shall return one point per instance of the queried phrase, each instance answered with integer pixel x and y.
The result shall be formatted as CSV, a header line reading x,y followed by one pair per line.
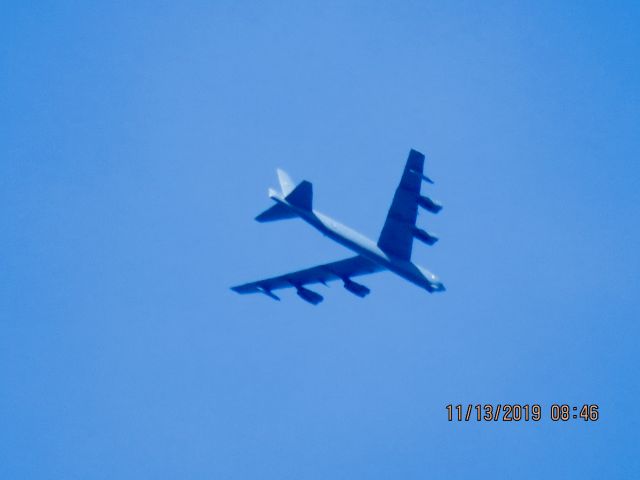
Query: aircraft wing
x,y
342,269
399,228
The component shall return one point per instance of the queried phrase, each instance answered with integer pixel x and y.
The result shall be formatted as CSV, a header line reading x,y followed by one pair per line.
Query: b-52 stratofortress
x,y
392,252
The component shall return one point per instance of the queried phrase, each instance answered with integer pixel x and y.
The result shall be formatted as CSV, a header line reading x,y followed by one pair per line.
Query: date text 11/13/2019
x,y
514,412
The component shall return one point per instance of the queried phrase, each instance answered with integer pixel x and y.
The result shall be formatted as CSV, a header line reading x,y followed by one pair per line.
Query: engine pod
x,y
424,236
356,288
310,296
428,204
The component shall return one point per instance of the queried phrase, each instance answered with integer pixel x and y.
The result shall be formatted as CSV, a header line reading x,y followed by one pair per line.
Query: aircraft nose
x,y
436,287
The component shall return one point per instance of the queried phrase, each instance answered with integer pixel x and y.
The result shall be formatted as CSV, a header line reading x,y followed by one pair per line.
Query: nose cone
x,y
430,281
434,287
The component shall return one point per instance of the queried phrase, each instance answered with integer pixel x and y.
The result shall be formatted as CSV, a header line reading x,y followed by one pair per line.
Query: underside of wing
x,y
340,270
399,229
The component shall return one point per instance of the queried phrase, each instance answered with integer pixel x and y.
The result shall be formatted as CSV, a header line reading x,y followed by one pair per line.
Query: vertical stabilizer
x,y
286,184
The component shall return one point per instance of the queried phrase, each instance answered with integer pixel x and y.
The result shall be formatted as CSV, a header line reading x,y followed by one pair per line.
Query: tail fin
x,y
286,184
301,196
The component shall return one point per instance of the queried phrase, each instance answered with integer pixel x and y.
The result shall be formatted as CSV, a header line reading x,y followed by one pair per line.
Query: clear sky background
x,y
137,141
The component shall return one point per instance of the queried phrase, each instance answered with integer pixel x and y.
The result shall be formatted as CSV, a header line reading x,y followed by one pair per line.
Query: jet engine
x,y
424,236
309,295
356,288
428,204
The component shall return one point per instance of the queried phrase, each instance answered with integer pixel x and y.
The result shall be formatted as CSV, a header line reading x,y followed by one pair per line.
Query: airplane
x,y
392,251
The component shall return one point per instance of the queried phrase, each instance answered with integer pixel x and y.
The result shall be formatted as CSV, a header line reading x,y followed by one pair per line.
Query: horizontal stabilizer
x,y
278,212
301,196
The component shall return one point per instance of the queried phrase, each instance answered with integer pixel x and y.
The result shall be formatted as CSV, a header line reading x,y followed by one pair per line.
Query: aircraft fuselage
x,y
366,247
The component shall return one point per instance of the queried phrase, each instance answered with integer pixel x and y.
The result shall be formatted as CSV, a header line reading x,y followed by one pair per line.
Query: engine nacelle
x,y
428,204
356,288
309,295
424,236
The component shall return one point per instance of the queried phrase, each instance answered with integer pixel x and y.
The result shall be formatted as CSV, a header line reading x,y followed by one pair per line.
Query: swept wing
x,y
340,270
400,228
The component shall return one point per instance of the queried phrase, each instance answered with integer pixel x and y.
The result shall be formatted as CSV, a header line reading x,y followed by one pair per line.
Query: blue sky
x,y
136,146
